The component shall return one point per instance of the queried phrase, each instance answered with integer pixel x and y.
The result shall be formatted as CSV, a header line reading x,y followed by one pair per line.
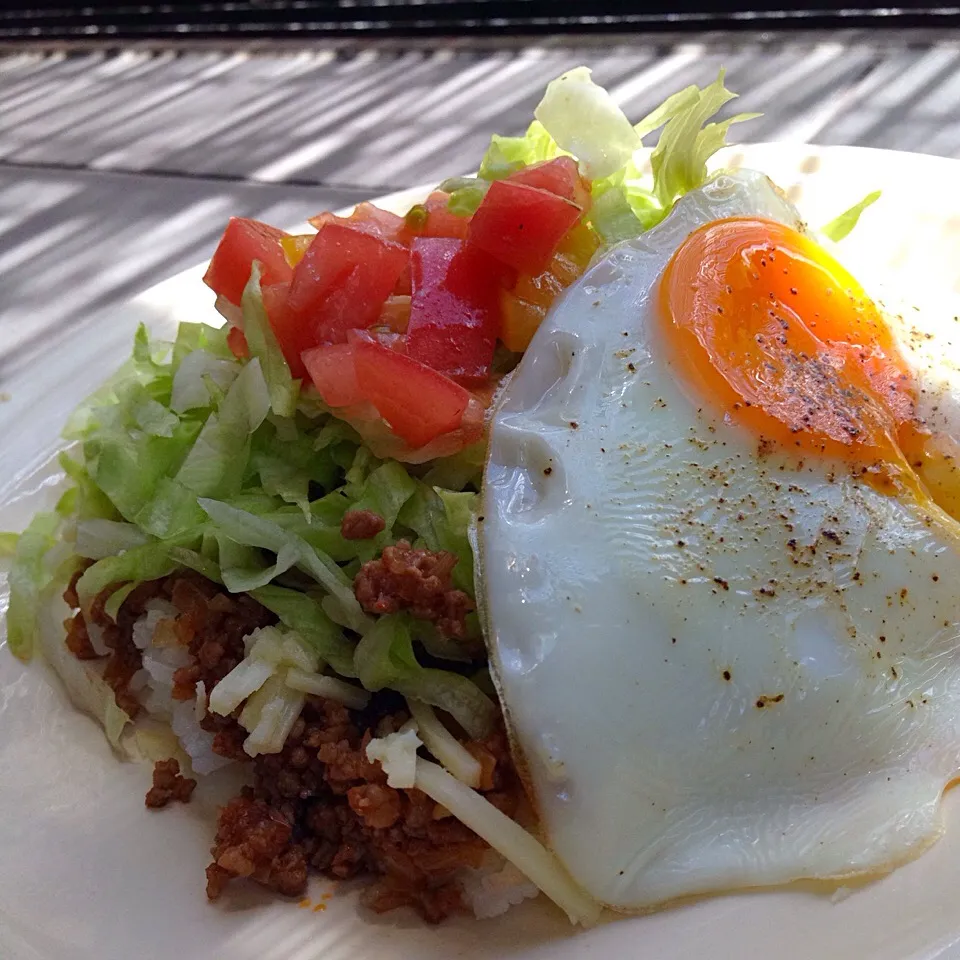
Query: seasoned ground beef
x,y
253,841
344,821
78,638
418,581
169,785
211,625
361,525
318,805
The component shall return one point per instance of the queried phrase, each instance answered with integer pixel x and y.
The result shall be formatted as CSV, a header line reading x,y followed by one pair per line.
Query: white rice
x,y
495,887
145,627
95,633
154,686
196,742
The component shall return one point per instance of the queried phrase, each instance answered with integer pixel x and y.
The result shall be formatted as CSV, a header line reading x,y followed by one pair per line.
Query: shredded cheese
x,y
444,746
509,839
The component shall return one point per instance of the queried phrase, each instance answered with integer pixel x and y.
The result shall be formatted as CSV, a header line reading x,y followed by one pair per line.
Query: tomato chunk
x,y
521,225
560,176
333,372
237,343
419,403
369,218
454,311
440,222
243,242
341,283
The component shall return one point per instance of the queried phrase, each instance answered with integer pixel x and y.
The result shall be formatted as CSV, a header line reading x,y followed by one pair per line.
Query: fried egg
x,y
721,565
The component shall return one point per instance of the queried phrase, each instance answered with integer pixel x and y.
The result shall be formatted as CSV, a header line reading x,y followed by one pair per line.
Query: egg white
x,y
720,668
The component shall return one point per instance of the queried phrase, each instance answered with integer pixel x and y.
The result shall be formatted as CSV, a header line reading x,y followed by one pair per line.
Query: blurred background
x,y
130,131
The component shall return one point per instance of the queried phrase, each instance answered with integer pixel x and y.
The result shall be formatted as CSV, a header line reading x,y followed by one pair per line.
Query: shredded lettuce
x,y
385,491
148,562
580,118
263,346
90,501
243,568
28,579
201,376
679,161
585,121
8,544
199,336
840,226
441,519
98,538
247,529
385,658
214,466
303,613
506,155
87,690
190,459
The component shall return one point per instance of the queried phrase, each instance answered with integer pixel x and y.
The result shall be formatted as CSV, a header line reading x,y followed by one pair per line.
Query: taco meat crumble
x,y
319,805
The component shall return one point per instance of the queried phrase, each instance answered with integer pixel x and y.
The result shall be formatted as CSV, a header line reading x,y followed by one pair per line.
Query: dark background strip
x,y
299,19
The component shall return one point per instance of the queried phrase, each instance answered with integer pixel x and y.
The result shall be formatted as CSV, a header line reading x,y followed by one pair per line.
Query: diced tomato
x,y
432,218
521,225
454,310
370,219
243,242
524,306
440,221
333,373
419,403
560,176
404,285
342,283
237,343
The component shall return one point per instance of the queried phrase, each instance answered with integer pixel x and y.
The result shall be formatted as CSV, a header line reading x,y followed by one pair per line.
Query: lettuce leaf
x,y
385,491
441,520
215,463
585,121
199,336
201,376
302,613
85,686
679,161
385,658
506,155
98,538
8,544
247,529
148,562
262,341
840,226
580,118
29,577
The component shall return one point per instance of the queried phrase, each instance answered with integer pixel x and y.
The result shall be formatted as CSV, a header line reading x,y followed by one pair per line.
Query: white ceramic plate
x,y
87,873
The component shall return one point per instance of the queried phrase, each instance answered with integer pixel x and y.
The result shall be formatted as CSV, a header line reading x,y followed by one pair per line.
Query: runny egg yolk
x,y
763,322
